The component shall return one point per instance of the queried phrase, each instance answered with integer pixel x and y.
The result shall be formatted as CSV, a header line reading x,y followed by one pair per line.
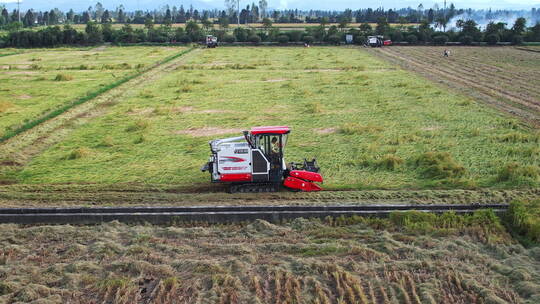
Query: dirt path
x,y
528,49
23,147
513,92
100,48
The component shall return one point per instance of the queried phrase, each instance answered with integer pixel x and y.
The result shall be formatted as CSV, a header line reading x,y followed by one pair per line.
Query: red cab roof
x,y
272,130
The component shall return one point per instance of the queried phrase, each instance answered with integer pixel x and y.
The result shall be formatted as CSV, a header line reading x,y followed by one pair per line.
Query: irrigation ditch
x,y
218,214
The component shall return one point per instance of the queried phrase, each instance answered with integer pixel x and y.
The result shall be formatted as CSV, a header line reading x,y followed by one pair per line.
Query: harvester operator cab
x,y
272,146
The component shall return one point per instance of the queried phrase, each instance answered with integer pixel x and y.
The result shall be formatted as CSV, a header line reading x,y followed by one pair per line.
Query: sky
x,y
80,5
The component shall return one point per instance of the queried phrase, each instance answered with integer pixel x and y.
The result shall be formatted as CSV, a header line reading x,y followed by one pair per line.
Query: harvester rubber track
x,y
256,187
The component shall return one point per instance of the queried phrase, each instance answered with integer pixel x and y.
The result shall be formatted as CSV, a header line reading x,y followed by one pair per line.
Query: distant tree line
x,y
252,13
463,31
467,32
433,25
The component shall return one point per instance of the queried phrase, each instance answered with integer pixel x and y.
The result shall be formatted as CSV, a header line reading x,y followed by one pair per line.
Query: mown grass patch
x,y
356,128
519,137
523,219
63,77
356,259
515,173
138,125
79,153
484,225
390,162
5,105
439,165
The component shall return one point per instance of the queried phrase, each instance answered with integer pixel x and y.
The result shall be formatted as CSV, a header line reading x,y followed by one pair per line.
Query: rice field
x,y
370,124
381,131
35,82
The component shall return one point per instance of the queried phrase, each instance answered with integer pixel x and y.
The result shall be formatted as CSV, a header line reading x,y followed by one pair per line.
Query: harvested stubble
x,y
408,258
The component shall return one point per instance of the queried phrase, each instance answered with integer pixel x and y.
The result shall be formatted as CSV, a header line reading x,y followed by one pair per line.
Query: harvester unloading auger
x,y
255,163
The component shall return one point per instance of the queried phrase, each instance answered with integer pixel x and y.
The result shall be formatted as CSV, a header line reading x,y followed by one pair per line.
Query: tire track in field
x,y
23,147
473,66
511,100
518,89
499,101
461,72
527,49
510,78
486,69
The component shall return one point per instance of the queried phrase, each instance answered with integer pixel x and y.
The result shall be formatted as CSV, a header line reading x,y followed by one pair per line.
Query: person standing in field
x,y
446,53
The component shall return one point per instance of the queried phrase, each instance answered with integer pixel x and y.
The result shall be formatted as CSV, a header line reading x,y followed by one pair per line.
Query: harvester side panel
x,y
234,159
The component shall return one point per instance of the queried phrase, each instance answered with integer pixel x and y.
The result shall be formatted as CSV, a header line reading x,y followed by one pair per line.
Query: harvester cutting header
x,y
255,163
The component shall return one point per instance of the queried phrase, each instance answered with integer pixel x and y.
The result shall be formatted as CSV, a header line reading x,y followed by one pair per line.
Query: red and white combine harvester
x,y
255,163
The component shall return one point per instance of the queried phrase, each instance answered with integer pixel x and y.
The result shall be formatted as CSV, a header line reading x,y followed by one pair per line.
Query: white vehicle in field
x,y
378,41
255,162
211,41
375,41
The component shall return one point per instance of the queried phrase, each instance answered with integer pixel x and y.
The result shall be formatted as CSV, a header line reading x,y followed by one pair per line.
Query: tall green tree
x,y
29,19
223,22
181,17
193,30
5,15
85,17
366,29
267,23
69,34
99,10
535,32
94,33
70,15
106,17
53,18
470,28
121,16
519,26
207,24
382,28
149,22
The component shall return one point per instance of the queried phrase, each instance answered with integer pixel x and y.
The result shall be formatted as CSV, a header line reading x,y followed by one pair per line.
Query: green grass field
x,y
8,51
369,123
38,81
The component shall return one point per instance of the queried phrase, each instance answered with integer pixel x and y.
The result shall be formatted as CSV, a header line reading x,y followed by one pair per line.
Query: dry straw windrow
x,y
405,259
